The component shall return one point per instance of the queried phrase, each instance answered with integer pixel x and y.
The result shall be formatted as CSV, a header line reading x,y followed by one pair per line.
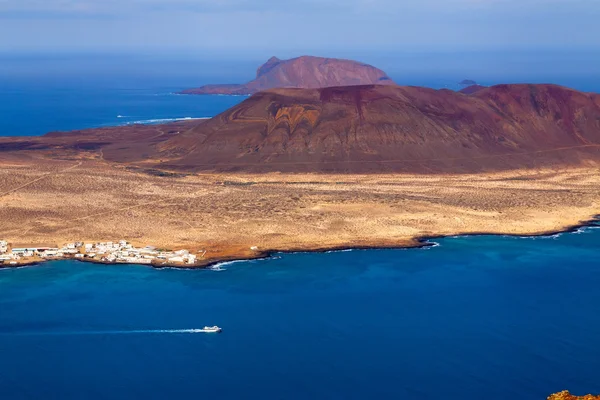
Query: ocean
x,y
475,317
31,109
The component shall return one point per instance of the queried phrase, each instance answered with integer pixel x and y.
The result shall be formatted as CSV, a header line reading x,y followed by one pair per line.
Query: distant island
x,y
303,72
467,82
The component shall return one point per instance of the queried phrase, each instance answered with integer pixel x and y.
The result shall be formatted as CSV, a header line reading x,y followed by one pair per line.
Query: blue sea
x,y
31,109
475,317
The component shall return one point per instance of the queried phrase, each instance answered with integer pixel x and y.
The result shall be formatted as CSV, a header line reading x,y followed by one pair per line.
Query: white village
x,y
103,252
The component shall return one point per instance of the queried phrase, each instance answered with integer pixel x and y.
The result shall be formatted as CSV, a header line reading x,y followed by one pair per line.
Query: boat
x,y
211,329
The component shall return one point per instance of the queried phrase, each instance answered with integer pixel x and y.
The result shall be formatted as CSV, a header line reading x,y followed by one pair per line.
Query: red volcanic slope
x,y
302,72
392,128
357,129
471,89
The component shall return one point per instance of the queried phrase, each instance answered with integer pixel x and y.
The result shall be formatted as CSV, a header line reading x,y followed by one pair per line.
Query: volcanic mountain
x,y
358,129
391,128
302,72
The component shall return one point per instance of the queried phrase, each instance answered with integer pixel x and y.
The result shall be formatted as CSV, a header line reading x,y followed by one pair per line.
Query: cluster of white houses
x,y
109,252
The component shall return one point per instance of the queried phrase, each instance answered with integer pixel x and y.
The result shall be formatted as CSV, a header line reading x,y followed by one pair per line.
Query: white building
x,y
49,253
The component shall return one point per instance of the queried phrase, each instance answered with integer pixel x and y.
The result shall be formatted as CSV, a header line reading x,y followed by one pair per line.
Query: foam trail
x,y
163,120
107,332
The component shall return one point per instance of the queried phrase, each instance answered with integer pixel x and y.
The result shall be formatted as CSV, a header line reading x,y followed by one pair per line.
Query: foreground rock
x,y
565,395
302,72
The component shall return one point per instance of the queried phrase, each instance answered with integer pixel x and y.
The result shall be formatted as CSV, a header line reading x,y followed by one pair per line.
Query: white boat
x,y
211,329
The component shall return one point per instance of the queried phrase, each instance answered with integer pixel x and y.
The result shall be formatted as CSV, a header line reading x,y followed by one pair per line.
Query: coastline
x,y
256,216
422,242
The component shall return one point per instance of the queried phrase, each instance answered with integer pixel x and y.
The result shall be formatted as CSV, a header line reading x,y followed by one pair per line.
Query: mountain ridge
x,y
358,129
394,128
301,72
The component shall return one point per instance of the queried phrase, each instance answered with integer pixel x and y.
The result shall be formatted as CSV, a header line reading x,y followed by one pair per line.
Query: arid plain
x,y
58,201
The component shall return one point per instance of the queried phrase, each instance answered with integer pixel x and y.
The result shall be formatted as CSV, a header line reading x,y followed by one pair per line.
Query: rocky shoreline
x,y
421,242
566,395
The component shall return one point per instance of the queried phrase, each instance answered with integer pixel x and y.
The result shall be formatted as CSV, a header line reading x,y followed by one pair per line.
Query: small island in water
x,y
306,72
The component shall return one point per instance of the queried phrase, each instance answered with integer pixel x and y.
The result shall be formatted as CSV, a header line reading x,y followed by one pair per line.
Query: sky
x,y
297,26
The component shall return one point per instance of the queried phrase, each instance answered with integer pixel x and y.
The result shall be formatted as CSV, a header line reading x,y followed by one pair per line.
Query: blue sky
x,y
276,26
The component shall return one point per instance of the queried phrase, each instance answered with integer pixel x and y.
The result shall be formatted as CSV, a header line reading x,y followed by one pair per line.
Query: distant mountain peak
x,y
268,66
305,72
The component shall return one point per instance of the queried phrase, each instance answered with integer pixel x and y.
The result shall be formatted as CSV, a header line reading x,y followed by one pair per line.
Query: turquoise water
x,y
476,317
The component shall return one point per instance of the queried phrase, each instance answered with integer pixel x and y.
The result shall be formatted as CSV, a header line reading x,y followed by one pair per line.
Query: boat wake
x,y
108,332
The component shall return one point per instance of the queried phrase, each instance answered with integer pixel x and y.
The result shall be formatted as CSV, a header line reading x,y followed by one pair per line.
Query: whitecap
x,y
219,266
339,251
163,120
430,245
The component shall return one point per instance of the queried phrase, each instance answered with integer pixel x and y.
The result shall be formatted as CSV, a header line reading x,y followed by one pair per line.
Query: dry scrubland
x,y
60,201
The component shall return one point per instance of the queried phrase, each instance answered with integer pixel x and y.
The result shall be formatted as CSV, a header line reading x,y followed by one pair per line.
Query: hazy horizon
x,y
200,41
323,25
574,68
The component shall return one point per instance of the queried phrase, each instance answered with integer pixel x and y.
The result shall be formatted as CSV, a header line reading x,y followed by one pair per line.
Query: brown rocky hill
x,y
302,72
391,128
356,129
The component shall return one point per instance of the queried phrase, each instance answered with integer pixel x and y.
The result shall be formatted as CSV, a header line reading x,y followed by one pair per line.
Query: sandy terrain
x,y
226,214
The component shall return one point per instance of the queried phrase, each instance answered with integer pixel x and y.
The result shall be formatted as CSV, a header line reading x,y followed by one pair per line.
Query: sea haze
x,y
476,317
